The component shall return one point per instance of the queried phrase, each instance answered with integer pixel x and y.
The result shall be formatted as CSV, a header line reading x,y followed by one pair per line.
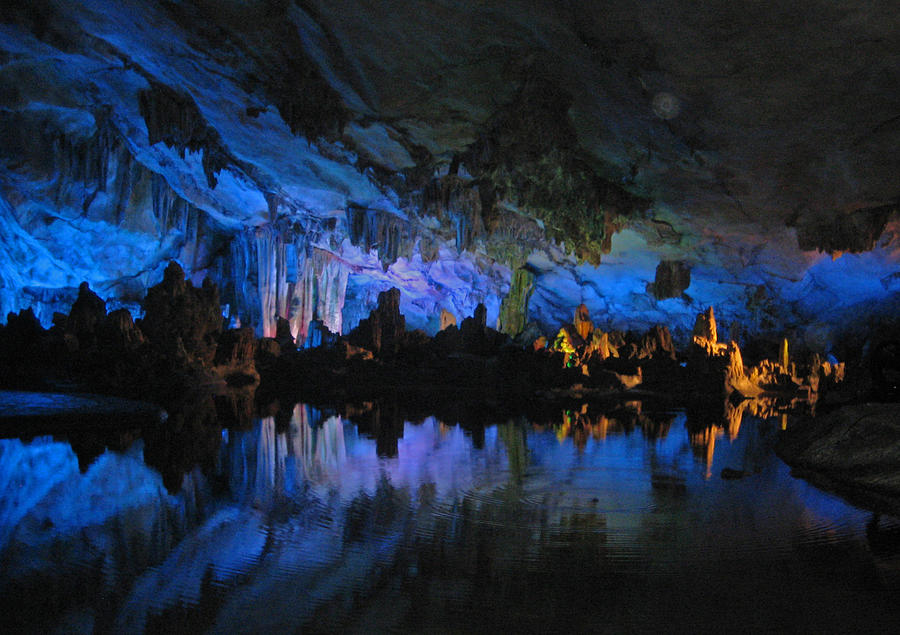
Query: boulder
x,y
857,445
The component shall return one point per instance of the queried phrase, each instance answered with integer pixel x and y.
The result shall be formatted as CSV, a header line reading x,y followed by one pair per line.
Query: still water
x,y
616,521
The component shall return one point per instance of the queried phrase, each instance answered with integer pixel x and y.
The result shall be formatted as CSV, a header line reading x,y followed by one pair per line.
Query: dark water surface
x,y
601,522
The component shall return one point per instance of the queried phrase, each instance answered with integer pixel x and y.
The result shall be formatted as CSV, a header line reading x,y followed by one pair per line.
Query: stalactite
x,y
373,229
83,165
275,273
244,295
319,294
303,301
174,118
271,277
457,203
332,276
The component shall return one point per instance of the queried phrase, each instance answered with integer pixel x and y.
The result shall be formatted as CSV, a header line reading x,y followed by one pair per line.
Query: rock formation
x,y
88,311
382,332
854,446
181,317
447,319
672,278
285,167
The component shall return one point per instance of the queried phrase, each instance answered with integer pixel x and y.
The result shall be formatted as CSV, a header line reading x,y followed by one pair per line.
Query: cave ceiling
x,y
724,135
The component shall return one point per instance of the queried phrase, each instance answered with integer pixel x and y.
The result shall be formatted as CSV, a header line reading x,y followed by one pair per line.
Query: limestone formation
x,y
657,343
87,313
287,136
582,322
514,309
601,346
382,332
235,358
672,278
447,319
119,332
178,316
283,333
705,329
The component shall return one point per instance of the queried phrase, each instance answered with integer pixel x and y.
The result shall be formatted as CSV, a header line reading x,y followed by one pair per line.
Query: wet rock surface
x,y
856,446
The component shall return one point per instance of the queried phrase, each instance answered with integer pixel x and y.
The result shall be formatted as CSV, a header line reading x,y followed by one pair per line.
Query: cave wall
x,y
256,144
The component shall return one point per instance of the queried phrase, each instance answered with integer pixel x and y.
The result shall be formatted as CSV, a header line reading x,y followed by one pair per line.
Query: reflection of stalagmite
x,y
704,445
600,429
734,414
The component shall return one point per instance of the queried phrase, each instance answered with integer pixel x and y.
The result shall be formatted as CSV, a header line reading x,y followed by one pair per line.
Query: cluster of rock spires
x,y
182,338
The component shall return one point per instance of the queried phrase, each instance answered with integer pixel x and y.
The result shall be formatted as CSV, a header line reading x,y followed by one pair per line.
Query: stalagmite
x,y
705,326
583,324
447,319
514,308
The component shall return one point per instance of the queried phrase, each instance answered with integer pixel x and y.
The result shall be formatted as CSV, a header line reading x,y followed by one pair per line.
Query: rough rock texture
x,y
236,354
88,311
857,445
582,322
705,327
180,317
119,331
382,332
447,319
672,278
514,308
657,342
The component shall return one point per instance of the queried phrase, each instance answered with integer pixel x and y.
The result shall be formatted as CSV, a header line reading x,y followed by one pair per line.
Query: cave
x,y
442,315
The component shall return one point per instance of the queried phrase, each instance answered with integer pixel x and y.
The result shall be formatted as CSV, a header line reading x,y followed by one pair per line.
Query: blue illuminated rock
x,y
307,158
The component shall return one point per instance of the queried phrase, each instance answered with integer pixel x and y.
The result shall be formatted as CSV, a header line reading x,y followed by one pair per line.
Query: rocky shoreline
x,y
854,450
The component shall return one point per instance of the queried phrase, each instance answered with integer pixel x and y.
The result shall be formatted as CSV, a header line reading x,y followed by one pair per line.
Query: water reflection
x,y
594,519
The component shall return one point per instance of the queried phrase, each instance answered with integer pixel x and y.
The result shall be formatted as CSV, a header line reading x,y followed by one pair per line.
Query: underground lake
x,y
628,517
